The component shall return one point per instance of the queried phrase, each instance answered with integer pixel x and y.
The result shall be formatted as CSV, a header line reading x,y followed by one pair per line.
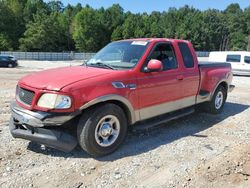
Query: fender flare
x,y
134,116
217,85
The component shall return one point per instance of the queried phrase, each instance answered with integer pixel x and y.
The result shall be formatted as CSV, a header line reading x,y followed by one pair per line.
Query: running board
x,y
159,120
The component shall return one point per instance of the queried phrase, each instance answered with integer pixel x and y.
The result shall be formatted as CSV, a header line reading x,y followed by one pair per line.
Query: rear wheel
x,y
102,129
215,106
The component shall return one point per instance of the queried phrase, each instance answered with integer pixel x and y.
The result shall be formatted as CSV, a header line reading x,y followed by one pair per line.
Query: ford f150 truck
x,y
135,82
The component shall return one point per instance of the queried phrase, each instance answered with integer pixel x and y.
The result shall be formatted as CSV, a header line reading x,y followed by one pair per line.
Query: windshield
x,y
119,55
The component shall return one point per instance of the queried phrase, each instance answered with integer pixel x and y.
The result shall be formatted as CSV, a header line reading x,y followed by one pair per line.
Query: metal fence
x,y
49,56
63,56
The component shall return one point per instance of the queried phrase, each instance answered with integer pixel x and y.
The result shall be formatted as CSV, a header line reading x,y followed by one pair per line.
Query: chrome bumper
x,y
38,118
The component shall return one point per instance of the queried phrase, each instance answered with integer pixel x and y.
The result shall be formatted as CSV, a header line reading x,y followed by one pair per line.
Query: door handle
x,y
180,77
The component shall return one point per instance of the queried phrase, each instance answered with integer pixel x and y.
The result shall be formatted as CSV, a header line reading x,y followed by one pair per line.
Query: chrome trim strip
x,y
24,118
116,98
160,109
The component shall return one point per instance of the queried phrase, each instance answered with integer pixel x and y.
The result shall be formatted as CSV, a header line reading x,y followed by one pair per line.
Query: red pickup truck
x,y
135,82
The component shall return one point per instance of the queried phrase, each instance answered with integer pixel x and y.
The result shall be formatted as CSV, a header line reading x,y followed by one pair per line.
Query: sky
x,y
139,6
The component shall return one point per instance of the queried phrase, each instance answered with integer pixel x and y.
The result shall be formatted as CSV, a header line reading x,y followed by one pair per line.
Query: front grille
x,y
25,96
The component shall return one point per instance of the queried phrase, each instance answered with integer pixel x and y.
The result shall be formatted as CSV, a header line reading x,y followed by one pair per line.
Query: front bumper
x,y
38,127
39,118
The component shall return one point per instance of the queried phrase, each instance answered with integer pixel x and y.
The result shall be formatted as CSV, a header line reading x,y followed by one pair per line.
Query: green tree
x,y
44,34
5,43
169,22
88,30
65,19
36,25
32,7
16,26
236,26
7,27
55,6
133,26
212,30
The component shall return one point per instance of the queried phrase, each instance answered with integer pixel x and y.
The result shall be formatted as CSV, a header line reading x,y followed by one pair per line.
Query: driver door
x,y
160,92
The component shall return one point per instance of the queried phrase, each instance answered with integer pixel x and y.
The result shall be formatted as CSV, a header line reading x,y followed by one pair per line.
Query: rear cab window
x,y
233,58
187,56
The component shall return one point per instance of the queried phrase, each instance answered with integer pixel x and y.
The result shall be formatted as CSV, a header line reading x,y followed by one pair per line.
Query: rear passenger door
x,y
191,75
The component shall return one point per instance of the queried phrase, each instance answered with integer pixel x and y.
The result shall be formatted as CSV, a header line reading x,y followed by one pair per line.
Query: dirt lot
x,y
200,150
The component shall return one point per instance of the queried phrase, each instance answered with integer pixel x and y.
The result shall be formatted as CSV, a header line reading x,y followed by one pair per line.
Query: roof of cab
x,y
155,39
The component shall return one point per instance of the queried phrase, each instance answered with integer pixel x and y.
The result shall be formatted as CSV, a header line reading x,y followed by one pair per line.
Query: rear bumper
x,y
28,125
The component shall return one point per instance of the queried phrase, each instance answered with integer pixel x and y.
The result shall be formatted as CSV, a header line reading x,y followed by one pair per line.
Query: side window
x,y
3,59
247,59
186,55
165,53
233,58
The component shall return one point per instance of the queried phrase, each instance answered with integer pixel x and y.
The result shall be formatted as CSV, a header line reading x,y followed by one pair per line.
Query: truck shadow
x,y
142,142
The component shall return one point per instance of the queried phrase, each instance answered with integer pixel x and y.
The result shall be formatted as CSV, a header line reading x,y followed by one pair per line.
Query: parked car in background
x,y
8,61
240,60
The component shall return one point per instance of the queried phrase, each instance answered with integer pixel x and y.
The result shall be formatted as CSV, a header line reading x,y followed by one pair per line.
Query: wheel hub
x,y
219,100
106,130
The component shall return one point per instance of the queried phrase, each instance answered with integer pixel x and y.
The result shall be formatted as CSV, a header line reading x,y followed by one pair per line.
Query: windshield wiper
x,y
100,64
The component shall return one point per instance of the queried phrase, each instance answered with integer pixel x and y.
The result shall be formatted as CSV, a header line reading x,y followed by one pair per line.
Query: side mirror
x,y
154,66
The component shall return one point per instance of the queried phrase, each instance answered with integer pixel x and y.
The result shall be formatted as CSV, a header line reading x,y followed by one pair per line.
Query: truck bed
x,y
207,64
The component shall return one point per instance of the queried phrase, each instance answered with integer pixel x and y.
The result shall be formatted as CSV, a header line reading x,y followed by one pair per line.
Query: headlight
x,y
54,101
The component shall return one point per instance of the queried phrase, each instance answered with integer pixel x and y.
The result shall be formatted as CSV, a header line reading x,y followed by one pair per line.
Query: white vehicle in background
x,y
240,60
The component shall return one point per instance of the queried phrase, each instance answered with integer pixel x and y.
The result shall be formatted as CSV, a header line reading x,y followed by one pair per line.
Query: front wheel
x,y
215,106
10,65
101,130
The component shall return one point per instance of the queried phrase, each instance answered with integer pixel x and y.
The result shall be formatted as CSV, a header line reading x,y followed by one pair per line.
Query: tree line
x,y
33,25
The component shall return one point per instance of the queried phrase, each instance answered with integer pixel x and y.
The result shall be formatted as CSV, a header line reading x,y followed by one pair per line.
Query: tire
x,y
10,65
101,130
215,106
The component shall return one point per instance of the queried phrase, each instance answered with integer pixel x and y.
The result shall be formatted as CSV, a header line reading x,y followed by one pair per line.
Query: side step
x,y
157,121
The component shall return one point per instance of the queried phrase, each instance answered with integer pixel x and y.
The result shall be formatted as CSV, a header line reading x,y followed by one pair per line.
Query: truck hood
x,y
56,79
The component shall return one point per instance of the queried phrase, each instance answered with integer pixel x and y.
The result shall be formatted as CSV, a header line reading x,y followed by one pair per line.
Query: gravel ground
x,y
200,150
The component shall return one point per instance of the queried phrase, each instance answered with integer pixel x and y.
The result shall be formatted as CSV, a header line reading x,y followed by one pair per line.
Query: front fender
x,y
134,115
